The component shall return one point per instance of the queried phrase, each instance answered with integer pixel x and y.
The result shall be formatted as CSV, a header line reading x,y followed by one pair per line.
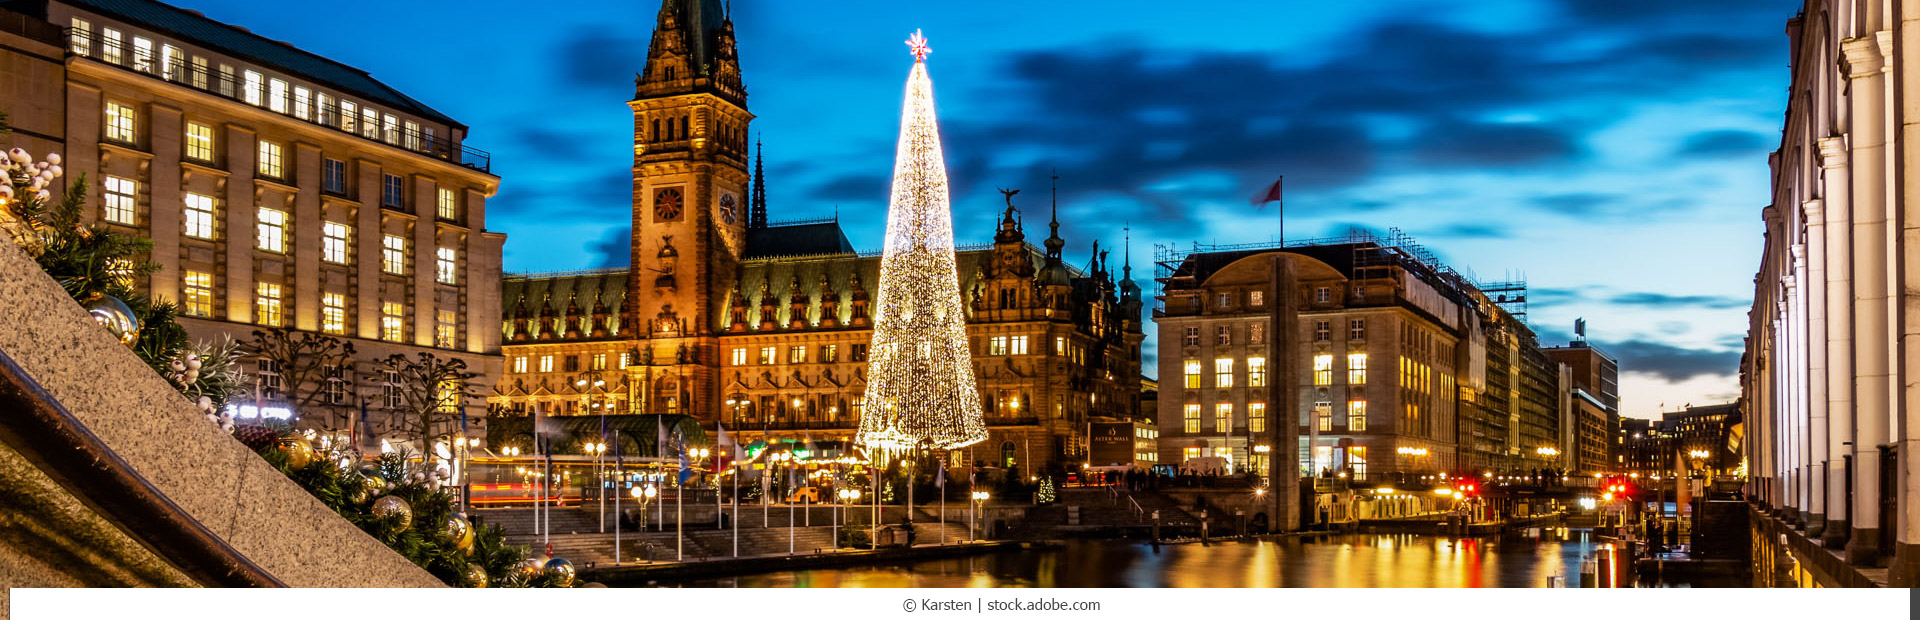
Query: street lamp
x,y
600,477
973,515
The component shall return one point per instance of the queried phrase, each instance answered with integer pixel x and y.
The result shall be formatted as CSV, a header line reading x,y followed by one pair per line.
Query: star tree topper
x,y
917,45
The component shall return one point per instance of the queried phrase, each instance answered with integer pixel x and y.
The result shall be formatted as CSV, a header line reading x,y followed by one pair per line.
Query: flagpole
x,y
618,490
736,506
790,531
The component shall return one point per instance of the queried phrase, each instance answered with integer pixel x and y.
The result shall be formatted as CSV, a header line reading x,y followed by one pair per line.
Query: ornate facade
x,y
763,327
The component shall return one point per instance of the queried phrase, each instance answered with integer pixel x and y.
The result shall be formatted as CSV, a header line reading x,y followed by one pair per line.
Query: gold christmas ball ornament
x,y
299,453
561,570
358,495
389,506
476,576
114,315
460,531
531,567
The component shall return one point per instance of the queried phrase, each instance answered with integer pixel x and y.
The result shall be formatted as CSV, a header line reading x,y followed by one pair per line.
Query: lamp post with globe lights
x,y
973,515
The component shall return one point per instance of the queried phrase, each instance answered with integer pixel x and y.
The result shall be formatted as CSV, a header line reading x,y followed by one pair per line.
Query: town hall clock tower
x,y
690,142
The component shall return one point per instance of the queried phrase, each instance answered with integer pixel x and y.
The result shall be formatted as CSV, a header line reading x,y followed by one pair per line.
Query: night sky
x,y
1610,152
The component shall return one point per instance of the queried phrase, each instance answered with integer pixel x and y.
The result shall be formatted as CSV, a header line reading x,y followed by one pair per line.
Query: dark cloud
x,y
1670,362
1476,230
1576,204
607,196
1487,145
613,250
857,187
1550,295
1662,300
1650,12
553,144
1723,143
600,58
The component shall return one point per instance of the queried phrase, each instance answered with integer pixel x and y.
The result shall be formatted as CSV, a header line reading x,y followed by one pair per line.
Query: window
x,y
391,380
797,355
1256,298
766,355
1191,337
445,260
143,54
1192,372
82,36
1190,418
411,135
199,72
1223,372
277,95
333,176
1357,461
272,226
599,361
393,190
1256,372
1323,369
391,129
120,123
267,378
1257,333
1357,368
118,207
199,142
369,123
1356,415
199,293
302,102
333,242
858,354
1323,412
1224,300
333,313
393,254
348,115
997,345
199,214
830,353
1223,335
1019,345
110,50
1256,417
446,326
338,386
624,359
266,303
1322,331
1322,295
1059,345
1223,417
448,207
272,163
251,89
226,80
1357,329
546,363
393,321
739,357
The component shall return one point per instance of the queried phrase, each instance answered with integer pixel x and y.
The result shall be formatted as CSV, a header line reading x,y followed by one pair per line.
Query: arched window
x,y
1006,455
656,130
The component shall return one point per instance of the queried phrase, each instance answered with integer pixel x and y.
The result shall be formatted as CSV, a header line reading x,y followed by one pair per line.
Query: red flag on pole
x,y
1269,195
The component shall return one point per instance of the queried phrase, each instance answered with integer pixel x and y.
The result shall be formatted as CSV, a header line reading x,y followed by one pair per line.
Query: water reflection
x,y
1352,560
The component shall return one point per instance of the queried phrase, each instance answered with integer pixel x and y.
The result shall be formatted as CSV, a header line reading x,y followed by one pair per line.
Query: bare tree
x,y
426,396
313,370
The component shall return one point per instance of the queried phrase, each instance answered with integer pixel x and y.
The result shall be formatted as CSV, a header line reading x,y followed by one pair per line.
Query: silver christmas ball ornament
x,y
114,315
561,570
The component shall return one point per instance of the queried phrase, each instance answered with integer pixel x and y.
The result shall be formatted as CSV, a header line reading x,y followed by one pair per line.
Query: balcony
x,y
205,79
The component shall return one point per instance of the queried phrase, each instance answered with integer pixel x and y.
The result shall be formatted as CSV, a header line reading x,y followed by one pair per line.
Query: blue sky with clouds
x,y
1611,152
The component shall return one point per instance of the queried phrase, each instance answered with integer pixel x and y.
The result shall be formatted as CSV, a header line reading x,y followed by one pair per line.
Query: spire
x,y
757,208
1055,245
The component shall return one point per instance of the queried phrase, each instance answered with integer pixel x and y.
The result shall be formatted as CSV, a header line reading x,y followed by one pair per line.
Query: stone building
x,y
1825,382
1405,367
1594,406
763,326
280,188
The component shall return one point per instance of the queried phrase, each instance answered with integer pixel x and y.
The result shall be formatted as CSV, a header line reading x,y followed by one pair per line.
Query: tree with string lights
x,y
920,383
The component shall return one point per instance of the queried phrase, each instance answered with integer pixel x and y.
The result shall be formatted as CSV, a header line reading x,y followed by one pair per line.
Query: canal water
x,y
1348,560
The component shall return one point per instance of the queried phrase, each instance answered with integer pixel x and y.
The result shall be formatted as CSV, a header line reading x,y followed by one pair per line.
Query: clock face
x,y
666,204
728,213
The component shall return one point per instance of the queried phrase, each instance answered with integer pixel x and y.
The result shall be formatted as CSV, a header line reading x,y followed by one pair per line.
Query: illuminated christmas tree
x,y
920,385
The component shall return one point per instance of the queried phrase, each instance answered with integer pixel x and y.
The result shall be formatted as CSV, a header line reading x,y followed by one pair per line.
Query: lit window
x,y
796,355
1019,345
393,190
448,206
272,160
625,360
170,62
1223,417
1256,417
519,365
1323,369
1257,298
1357,329
333,242
1059,345
199,216
1322,331
1223,372
369,123
333,313
1192,373
82,36
546,363
349,118
997,345
199,72
199,142
411,136
599,361
199,293
1257,333
393,322
392,130
267,304
445,261
119,200
251,90
1356,415
1256,372
739,357
1357,368
302,102
830,353
120,123
393,254
1323,411
445,329
277,95
1190,418
143,54
110,49
766,355
272,226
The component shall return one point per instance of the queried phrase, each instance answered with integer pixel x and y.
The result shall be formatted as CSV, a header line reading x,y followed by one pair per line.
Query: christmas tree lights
x,y
920,384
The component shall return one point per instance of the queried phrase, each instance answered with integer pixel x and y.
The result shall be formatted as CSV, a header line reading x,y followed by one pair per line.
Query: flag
x,y
1269,195
680,445
940,478
727,446
660,442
